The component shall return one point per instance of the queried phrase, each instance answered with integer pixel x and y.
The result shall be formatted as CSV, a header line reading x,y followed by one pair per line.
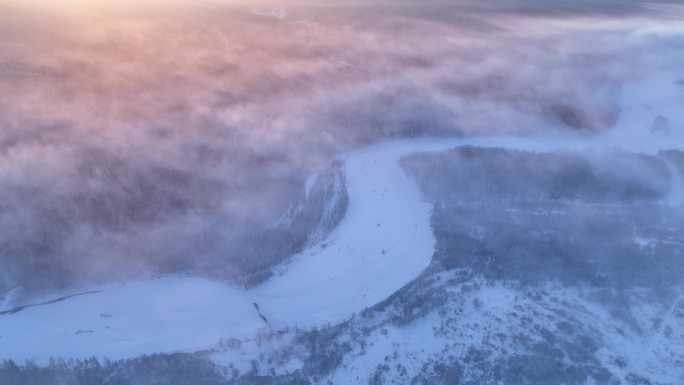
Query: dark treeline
x,y
160,369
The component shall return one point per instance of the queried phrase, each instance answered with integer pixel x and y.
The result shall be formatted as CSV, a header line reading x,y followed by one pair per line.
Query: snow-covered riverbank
x,y
383,242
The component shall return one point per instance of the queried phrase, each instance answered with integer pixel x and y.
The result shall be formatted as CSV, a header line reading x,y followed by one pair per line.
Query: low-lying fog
x,y
156,139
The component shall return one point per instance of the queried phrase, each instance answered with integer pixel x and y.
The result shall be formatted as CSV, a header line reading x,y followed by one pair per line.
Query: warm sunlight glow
x,y
341,192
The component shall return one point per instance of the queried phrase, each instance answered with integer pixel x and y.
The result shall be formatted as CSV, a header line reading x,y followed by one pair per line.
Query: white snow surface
x,y
131,319
382,243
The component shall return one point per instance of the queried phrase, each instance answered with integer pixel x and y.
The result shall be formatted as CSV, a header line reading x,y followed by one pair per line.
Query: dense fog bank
x,y
148,140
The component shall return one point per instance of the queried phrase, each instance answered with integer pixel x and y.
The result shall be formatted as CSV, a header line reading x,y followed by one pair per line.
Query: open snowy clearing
x,y
383,242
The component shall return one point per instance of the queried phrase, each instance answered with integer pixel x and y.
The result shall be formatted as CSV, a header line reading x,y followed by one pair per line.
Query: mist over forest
x,y
147,140
142,140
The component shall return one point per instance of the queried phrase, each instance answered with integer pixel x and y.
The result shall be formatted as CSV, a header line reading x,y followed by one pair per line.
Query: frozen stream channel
x,y
382,243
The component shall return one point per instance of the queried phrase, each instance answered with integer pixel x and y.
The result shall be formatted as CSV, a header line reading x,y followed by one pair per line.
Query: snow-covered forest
x,y
314,192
